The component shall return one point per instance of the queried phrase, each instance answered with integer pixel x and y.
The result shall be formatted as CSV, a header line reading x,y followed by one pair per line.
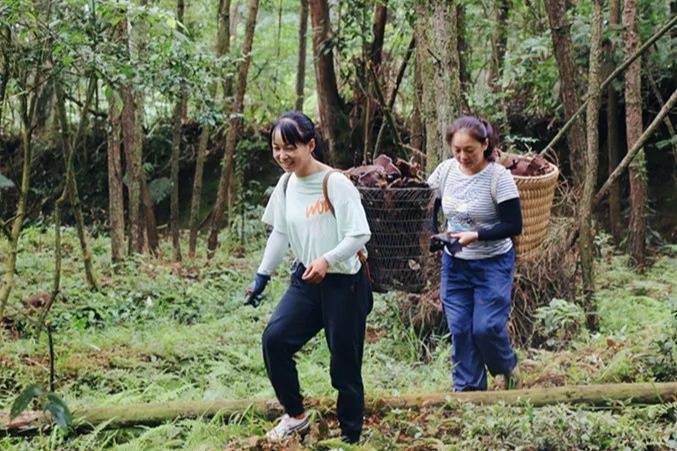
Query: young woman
x,y
481,206
329,288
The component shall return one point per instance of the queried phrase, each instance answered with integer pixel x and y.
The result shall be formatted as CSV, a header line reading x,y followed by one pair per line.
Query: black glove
x,y
255,291
442,240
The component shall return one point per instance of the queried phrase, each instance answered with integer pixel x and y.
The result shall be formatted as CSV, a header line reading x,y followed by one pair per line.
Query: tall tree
x,y
499,39
222,47
437,59
115,185
333,120
589,183
132,146
374,55
560,30
614,141
179,116
30,73
633,130
301,64
235,123
70,190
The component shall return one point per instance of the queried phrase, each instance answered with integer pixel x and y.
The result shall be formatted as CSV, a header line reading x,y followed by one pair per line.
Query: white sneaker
x,y
287,426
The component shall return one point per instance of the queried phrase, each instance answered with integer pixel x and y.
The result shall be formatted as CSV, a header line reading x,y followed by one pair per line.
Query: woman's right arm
x,y
275,250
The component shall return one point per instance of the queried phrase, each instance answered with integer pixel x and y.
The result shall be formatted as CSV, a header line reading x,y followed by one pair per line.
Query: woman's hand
x,y
465,238
316,271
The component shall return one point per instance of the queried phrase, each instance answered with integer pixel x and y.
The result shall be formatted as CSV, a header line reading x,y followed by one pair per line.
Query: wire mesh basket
x,y
399,219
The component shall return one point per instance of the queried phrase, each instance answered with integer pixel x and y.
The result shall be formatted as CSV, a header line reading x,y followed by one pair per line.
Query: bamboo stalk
x,y
155,413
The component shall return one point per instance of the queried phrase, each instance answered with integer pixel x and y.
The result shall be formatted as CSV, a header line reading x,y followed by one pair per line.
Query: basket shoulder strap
x,y
325,190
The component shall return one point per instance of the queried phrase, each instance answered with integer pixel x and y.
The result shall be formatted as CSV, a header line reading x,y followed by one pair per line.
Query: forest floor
x,y
157,331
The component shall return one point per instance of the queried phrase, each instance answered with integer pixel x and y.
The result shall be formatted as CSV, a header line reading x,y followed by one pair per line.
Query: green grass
x,y
158,332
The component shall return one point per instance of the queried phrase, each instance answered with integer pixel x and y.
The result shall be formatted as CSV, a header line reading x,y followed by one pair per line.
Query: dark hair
x,y
297,128
479,129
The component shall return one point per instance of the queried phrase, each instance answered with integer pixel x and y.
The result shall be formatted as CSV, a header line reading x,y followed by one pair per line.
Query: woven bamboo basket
x,y
536,196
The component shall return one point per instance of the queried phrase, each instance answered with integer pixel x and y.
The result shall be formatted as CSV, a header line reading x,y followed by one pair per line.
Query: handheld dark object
x,y
254,294
442,240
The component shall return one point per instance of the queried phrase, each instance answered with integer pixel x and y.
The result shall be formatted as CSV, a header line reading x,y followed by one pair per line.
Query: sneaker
x,y
287,426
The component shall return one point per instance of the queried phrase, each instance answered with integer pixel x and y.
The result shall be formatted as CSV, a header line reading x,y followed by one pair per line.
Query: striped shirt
x,y
469,203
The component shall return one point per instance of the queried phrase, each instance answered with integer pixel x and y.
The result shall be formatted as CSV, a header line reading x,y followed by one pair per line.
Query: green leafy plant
x,y
559,322
49,402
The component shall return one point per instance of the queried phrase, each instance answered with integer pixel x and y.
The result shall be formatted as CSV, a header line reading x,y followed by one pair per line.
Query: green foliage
x,y
559,322
160,188
662,358
24,399
157,332
50,402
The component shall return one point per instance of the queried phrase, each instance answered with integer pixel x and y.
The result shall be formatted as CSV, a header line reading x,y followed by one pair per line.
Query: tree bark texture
x,y
627,159
301,64
70,186
179,114
156,413
17,225
633,129
116,206
133,159
333,120
569,84
614,141
437,57
586,242
222,47
499,40
27,99
235,124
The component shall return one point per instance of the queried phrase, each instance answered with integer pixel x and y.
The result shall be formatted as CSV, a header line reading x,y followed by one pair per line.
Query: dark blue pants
x,y
339,305
476,299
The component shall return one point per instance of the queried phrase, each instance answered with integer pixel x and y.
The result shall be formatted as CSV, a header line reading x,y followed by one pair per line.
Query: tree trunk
x,y
437,57
235,123
633,129
417,129
6,42
157,413
116,206
499,39
378,32
333,120
70,185
179,114
149,222
301,64
586,242
614,141
627,159
617,71
133,160
393,93
26,108
463,71
569,79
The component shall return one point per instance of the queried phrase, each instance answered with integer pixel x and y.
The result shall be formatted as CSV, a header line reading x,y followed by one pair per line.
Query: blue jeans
x,y
476,300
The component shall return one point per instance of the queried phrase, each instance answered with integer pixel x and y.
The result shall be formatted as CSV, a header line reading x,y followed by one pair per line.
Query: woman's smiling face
x,y
291,157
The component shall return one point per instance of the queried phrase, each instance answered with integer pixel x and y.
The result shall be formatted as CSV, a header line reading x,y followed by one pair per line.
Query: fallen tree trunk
x,y
156,413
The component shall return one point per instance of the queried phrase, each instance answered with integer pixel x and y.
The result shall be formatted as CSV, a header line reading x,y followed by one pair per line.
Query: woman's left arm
x,y
509,222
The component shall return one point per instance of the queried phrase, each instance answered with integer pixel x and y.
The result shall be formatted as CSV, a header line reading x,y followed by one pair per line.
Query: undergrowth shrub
x,y
558,323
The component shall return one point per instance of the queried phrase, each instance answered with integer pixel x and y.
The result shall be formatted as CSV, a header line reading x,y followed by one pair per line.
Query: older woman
x,y
481,206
